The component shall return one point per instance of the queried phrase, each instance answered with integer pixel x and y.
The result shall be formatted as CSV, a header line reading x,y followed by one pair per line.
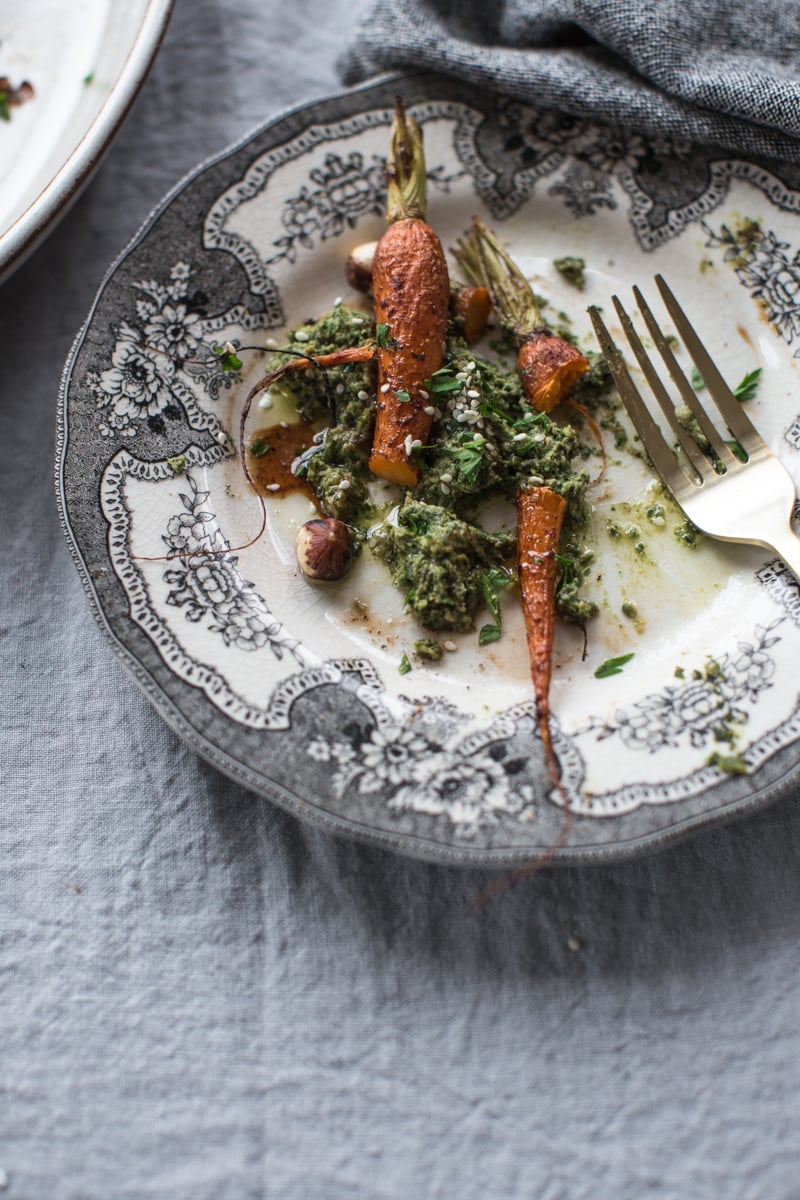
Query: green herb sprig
x,y
493,582
612,666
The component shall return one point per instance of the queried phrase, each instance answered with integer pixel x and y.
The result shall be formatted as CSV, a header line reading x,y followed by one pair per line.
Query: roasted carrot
x,y
411,291
547,365
540,516
471,304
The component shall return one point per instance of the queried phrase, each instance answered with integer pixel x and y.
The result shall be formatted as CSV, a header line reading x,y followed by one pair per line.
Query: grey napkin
x,y
720,72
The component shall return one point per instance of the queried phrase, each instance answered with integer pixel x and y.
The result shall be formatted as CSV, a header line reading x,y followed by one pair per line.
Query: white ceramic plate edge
x,y
52,203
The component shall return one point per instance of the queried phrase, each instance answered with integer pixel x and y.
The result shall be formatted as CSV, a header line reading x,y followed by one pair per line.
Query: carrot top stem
x,y
487,264
405,169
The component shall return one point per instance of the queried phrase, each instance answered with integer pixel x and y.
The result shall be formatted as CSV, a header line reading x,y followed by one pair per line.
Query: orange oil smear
x,y
272,470
745,336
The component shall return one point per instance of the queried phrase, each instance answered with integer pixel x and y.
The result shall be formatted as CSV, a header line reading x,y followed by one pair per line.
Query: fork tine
x,y
653,441
688,444
729,407
685,388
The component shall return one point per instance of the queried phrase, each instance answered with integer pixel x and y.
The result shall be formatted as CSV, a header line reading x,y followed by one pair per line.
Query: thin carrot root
x,y
540,515
598,433
336,358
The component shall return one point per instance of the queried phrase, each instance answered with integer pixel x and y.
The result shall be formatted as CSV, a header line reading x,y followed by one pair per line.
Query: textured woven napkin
x,y
714,71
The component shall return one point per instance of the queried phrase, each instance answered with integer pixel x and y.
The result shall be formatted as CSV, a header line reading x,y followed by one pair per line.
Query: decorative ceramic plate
x,y
296,690
86,62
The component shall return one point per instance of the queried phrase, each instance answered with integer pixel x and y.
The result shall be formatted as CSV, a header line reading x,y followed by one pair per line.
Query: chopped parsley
x,y
384,338
228,359
492,583
442,381
469,458
405,665
259,447
403,396
747,388
612,666
744,390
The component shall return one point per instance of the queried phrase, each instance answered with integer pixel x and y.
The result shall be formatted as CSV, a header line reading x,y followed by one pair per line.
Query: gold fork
x,y
758,510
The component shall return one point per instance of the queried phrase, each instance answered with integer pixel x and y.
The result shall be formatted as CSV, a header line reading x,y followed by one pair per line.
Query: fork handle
x,y
787,546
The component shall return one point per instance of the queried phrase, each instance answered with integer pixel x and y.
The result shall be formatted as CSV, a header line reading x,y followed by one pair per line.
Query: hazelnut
x,y
358,267
324,548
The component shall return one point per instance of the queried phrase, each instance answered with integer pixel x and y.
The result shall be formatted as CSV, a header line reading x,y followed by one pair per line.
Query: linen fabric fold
x,y
712,71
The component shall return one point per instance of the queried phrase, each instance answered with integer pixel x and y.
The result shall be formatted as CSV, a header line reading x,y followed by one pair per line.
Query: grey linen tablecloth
x,y
202,998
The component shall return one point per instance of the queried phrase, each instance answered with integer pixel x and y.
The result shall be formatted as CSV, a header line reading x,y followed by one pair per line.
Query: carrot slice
x,y
548,366
473,305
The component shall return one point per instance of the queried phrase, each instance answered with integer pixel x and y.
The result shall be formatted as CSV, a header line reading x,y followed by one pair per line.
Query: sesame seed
x,y
358,320
416,443
446,477
538,437
222,437
473,395
270,342
229,348
362,395
445,489
344,484
384,387
429,410
470,366
265,401
460,416
535,481
301,335
520,437
425,395
451,646
340,389
284,424
461,376
478,440
273,487
337,302
408,444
